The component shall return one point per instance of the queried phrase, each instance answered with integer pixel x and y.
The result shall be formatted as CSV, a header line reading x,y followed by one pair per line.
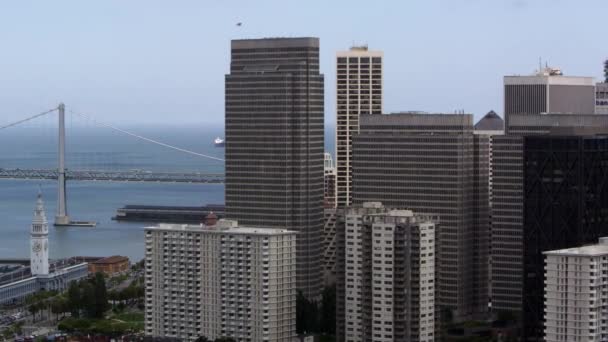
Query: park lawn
x,y
115,325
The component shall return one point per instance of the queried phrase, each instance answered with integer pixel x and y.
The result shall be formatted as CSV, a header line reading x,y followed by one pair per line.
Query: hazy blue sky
x,y
164,61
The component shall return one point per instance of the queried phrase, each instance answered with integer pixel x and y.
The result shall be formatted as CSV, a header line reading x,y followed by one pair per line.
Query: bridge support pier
x,y
62,217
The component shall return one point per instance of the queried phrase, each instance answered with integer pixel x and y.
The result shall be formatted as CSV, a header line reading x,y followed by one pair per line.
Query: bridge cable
x,y
27,119
103,124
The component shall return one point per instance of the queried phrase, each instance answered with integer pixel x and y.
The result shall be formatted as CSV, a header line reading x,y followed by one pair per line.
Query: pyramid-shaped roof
x,y
490,122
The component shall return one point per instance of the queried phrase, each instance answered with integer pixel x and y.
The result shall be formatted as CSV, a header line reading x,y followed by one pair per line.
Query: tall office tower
x,y
576,299
490,125
274,144
358,92
601,98
220,280
388,292
329,197
433,164
548,91
547,194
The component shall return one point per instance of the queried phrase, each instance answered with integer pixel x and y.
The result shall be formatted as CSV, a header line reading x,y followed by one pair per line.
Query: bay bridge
x,y
114,176
62,174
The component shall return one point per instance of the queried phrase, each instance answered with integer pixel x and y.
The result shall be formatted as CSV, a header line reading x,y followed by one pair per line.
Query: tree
x,y
100,296
328,311
74,299
307,315
33,309
59,305
87,292
301,306
224,339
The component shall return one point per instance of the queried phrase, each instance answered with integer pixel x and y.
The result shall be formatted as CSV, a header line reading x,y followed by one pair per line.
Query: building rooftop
x,y
274,43
416,119
490,122
591,250
114,259
222,227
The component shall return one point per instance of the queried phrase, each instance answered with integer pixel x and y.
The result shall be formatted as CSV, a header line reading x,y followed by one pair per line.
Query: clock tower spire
x,y
39,240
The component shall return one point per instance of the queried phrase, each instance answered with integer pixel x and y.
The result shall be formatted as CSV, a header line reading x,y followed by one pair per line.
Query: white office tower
x,y
358,92
39,240
220,280
576,293
389,280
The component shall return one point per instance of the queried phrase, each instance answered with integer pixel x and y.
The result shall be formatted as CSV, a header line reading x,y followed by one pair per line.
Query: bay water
x,y
94,149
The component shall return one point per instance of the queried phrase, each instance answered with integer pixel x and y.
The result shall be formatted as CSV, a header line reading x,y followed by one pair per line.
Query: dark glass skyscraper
x,y
274,144
549,192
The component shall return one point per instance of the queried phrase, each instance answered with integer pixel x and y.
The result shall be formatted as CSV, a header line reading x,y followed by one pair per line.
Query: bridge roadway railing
x,y
118,176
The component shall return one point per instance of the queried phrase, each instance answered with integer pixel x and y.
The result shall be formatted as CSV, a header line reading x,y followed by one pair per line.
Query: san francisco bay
x,y
35,147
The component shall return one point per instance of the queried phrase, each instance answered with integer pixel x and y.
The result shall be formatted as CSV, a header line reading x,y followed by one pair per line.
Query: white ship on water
x,y
219,142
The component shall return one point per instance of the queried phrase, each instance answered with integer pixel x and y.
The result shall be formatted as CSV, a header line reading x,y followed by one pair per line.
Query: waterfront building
x,y
576,295
553,165
548,91
330,182
601,98
274,144
435,165
41,273
358,92
388,292
110,266
220,280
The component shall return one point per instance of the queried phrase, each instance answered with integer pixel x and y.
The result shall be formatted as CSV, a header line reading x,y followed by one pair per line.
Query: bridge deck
x,y
118,176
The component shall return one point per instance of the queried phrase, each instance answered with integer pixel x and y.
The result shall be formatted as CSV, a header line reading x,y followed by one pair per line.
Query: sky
x,y
151,62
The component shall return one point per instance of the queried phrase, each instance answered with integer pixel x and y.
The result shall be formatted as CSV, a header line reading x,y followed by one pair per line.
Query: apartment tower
x,y
220,280
358,92
388,290
576,295
435,165
274,144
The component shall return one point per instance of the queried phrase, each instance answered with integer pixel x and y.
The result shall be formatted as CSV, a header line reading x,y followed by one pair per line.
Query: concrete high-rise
x,y
434,164
547,194
358,92
220,280
388,289
329,196
548,91
576,299
274,144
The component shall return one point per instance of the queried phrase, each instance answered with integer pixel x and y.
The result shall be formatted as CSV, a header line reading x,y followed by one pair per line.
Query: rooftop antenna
x,y
540,64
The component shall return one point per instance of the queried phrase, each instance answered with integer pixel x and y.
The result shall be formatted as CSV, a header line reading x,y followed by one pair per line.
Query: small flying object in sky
x,y
239,24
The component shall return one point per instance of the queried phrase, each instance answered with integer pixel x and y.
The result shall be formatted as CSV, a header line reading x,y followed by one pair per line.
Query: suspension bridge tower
x,y
62,218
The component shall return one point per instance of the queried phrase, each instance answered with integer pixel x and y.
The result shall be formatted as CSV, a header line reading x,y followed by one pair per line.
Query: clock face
x,y
37,247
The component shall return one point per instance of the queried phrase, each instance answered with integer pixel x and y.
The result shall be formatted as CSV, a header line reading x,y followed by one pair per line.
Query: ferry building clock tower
x,y
39,241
